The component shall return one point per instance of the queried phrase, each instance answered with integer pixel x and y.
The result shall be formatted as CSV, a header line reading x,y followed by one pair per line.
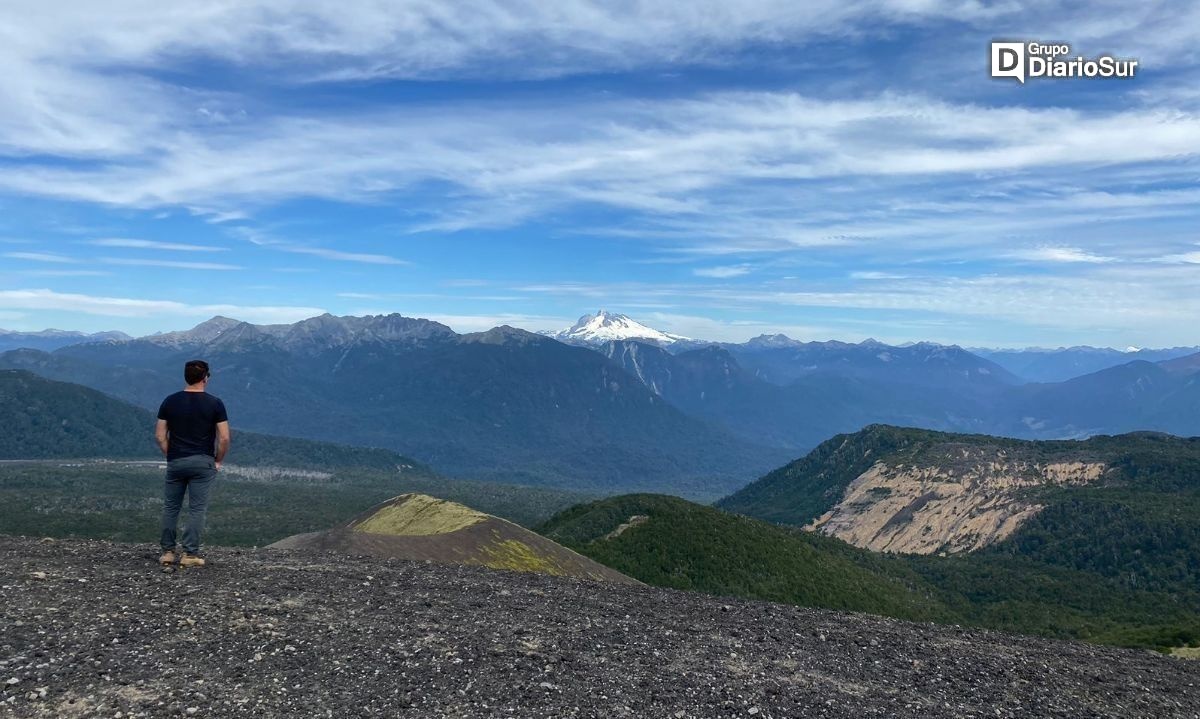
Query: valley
x,y
1087,539
616,406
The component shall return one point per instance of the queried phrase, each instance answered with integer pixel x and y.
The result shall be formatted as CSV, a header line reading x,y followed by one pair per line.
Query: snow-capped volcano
x,y
607,326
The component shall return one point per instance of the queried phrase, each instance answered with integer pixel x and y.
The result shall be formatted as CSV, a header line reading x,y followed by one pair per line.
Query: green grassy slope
x,y
691,546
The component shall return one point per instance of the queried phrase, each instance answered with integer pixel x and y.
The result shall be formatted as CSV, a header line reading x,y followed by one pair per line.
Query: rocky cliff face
x,y
95,629
944,509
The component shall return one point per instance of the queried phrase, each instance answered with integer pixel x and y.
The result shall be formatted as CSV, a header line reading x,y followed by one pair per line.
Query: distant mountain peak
x,y
51,339
605,326
312,334
770,341
206,331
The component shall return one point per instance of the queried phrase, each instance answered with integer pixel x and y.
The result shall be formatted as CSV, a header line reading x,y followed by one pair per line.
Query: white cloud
x,y
479,323
47,299
724,272
718,174
306,39
426,296
1141,301
170,263
875,275
41,257
1060,254
63,273
155,245
340,256
1187,258
717,330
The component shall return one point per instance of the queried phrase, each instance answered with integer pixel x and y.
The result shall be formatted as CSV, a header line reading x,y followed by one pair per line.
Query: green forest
x,y
689,546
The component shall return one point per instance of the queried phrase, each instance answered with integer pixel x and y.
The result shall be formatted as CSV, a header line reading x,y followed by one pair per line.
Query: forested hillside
x,y
669,542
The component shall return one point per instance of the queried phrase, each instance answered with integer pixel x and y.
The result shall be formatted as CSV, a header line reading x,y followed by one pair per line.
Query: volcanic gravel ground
x,y
97,629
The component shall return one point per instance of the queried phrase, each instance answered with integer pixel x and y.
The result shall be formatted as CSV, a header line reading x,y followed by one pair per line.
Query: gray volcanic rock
x,y
93,629
421,527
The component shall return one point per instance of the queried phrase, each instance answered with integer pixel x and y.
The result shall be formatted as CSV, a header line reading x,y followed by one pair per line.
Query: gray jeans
x,y
195,475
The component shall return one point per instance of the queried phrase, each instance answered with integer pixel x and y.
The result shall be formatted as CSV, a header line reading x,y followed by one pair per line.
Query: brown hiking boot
x,y
167,558
191,560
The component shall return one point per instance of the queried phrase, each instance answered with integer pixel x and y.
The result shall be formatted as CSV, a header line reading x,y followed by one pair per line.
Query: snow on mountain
x,y
607,326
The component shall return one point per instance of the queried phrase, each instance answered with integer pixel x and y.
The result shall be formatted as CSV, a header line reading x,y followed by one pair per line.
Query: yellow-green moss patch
x,y
516,555
419,515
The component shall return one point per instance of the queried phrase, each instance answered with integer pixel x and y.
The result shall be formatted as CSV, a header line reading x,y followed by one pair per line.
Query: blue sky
x,y
829,169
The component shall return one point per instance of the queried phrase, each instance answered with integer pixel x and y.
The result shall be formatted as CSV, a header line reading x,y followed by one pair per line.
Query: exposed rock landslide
x,y
927,510
96,629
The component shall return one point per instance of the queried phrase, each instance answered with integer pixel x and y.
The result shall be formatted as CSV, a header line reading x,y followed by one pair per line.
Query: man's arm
x,y
160,435
222,441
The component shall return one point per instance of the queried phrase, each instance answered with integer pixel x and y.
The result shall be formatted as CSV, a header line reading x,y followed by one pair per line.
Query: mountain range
x,y
52,339
500,405
614,406
1058,365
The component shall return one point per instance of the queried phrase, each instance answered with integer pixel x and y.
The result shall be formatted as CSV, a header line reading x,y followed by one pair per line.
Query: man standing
x,y
193,434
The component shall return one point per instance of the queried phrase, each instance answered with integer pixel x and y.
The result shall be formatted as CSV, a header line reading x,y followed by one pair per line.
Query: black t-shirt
x,y
192,419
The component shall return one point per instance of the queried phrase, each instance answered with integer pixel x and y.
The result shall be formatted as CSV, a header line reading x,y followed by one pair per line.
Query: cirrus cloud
x,y
47,299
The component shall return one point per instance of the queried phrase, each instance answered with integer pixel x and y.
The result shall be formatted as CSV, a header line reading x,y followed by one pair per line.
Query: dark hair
x,y
195,371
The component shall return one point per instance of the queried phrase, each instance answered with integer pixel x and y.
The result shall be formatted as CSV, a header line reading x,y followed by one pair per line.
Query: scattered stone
x,y
440,641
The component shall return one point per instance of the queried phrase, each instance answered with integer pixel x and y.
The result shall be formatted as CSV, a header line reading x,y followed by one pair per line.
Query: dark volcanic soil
x,y
269,633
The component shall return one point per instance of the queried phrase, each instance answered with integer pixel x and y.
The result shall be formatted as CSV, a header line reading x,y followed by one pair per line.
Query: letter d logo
x,y
1008,60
